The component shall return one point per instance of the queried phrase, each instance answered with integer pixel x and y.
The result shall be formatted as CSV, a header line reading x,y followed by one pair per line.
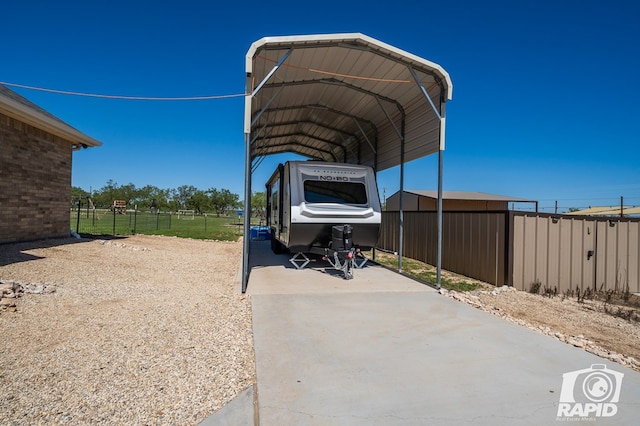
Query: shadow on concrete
x,y
271,273
262,256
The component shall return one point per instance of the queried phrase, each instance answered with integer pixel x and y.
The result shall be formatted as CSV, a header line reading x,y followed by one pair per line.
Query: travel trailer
x,y
331,209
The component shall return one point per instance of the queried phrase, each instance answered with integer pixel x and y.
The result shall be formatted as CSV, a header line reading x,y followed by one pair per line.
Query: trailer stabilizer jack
x,y
299,260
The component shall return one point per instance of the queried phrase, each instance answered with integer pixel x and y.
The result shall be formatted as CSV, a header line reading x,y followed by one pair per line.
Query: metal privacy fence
x,y
473,243
575,252
523,248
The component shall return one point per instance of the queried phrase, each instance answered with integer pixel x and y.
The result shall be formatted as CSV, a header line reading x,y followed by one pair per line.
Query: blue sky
x,y
545,102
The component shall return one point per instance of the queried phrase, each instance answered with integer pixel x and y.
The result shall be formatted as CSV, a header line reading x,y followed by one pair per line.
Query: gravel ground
x,y
139,330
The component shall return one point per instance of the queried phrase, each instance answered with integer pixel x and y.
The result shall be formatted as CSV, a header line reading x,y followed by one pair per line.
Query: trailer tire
x,y
276,247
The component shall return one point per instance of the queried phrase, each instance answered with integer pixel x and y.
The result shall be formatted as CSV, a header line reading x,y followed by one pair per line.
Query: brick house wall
x,y
35,182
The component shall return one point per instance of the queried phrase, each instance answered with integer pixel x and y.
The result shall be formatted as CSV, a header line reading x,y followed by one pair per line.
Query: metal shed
x,y
344,98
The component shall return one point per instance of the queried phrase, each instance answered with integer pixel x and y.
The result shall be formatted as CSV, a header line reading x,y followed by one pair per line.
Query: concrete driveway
x,y
382,349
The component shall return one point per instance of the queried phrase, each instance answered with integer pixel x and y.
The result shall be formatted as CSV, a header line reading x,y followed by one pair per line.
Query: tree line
x,y
185,197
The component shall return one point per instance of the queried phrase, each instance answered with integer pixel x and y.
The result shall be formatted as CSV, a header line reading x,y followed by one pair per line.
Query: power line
x,y
129,98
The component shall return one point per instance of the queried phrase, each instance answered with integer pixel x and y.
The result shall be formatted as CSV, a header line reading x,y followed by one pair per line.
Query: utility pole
x,y
384,198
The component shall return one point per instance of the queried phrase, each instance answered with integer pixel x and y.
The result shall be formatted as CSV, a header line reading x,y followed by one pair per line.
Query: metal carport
x,y
345,98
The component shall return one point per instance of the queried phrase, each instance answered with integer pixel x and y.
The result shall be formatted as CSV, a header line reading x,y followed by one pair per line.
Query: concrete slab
x,y
239,412
335,352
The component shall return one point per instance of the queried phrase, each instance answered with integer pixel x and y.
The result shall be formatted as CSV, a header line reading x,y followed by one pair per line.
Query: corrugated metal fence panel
x,y
634,256
473,242
576,267
582,254
517,241
524,244
480,238
421,236
552,256
617,256
388,238
606,244
565,243
569,253
551,251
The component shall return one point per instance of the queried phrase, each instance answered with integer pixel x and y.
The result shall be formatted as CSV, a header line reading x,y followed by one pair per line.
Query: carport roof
x,y
344,98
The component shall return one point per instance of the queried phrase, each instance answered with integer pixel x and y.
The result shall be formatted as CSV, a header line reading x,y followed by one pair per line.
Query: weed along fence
x,y
91,221
523,249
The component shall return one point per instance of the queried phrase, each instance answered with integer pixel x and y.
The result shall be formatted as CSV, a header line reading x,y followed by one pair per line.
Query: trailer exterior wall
x,y
301,218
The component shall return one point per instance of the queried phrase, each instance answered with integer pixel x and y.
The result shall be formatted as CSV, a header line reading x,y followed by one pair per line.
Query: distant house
x,y
418,200
35,170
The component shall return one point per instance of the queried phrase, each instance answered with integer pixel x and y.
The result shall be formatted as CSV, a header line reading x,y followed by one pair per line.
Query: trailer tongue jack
x,y
341,262
341,253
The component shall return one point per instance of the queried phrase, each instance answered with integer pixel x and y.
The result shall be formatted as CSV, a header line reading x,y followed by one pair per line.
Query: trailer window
x,y
319,191
275,189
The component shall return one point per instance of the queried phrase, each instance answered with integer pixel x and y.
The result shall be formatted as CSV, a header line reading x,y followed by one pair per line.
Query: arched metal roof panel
x,y
363,96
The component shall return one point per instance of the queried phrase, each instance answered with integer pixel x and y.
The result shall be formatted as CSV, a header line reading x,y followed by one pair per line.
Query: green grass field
x,y
199,227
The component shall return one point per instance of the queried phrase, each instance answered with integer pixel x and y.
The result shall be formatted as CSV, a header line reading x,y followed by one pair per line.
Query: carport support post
x,y
248,123
400,134
246,214
439,259
442,118
401,217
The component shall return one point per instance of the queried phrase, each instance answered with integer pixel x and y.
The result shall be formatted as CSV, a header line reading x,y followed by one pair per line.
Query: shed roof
x,y
344,97
461,195
15,106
